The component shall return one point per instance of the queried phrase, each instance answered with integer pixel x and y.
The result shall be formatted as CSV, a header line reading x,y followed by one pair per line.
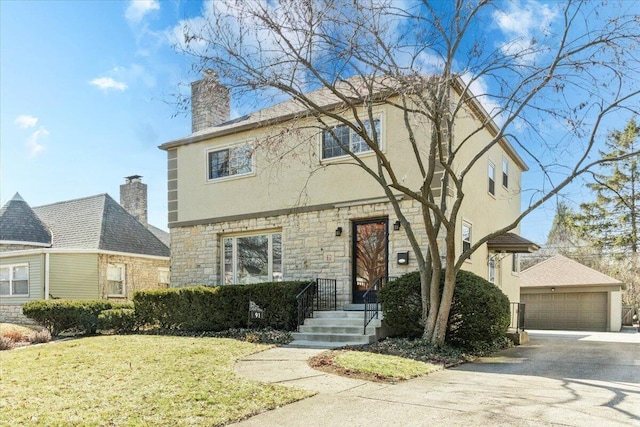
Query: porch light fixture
x,y
338,231
553,289
396,225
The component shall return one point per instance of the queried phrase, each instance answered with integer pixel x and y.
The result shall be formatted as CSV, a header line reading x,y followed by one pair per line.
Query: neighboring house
x,y
243,211
79,249
563,294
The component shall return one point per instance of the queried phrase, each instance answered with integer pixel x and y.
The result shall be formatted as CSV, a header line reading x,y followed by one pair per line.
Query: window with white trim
x,y
343,136
492,178
466,237
492,269
116,280
230,161
252,258
505,173
14,280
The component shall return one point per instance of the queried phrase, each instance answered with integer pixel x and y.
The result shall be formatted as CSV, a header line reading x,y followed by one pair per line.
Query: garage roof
x,y
562,271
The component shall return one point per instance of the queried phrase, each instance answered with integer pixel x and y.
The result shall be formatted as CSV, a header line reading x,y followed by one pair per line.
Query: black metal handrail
x,y
517,316
370,297
305,302
319,294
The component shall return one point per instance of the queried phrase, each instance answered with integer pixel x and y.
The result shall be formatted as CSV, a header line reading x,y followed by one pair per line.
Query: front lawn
x,y
133,380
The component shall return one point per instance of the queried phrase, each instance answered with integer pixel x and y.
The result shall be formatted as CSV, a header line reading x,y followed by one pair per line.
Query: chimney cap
x,y
133,178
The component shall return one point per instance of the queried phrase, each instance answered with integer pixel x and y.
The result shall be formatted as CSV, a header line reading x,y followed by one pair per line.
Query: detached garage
x,y
563,294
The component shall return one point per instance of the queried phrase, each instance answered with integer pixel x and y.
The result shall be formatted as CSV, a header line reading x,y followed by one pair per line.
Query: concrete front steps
x,y
334,329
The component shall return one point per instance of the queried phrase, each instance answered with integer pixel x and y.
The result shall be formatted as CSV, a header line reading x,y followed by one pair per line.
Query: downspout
x,y
46,275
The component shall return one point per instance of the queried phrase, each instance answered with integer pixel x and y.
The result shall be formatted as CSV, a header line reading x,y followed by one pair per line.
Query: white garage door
x,y
583,311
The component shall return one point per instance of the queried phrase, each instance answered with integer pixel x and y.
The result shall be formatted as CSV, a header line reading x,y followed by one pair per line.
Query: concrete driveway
x,y
564,379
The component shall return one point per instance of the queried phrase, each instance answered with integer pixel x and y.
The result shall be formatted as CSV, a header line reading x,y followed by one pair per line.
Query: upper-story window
x,y
492,179
466,236
505,173
230,161
14,280
335,138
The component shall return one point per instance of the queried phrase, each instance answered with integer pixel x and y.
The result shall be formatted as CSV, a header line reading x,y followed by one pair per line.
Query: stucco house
x,y
85,248
563,294
247,204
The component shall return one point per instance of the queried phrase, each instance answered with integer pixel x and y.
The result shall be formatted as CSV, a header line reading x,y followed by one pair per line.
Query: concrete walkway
x,y
563,379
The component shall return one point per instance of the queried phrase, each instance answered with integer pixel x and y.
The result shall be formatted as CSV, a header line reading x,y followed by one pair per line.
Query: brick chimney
x,y
209,102
133,198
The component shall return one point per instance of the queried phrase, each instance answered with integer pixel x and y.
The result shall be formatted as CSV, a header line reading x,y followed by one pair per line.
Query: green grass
x,y
132,381
383,366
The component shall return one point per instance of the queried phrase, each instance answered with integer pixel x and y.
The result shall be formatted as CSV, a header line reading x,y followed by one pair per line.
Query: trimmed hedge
x,y
480,312
120,320
69,315
202,308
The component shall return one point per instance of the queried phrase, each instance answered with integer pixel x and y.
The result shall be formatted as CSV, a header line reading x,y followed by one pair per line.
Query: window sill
x,y
230,178
346,157
116,296
14,296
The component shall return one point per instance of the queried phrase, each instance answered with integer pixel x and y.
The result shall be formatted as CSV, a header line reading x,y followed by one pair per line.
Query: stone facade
x,y
17,247
310,246
141,274
13,314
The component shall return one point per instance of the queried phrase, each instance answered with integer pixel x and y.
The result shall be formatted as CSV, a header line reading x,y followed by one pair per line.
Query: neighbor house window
x,y
505,173
343,136
492,179
230,161
492,270
163,277
115,280
466,236
14,280
252,259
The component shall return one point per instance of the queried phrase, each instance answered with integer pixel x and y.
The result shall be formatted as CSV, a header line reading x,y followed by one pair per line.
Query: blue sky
x,y
86,89
86,92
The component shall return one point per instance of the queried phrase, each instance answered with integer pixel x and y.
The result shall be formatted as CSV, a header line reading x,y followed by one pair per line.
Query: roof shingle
x,y
19,223
562,271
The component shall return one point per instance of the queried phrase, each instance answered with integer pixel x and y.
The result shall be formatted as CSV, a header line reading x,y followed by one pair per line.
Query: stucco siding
x,y
74,276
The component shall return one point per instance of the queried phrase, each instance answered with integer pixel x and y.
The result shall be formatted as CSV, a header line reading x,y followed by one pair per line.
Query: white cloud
x,y
107,83
522,23
139,8
25,121
34,144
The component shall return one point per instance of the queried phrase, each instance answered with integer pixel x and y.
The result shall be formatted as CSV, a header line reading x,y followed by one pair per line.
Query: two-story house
x,y
271,196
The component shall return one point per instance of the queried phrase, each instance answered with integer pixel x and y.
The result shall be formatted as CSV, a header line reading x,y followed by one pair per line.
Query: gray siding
x,y
74,276
36,278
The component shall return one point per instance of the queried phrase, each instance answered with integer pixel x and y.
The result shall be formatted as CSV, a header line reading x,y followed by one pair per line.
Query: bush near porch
x,y
480,312
202,308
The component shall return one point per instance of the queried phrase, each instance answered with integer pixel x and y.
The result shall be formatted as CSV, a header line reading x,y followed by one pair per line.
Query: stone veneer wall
x,y
8,248
141,273
309,244
13,314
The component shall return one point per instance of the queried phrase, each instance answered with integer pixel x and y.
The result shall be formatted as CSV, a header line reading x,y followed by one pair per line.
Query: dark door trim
x,y
357,291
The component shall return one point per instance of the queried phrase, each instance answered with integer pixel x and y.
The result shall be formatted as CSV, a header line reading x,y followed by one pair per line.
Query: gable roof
x,y
98,222
511,243
562,271
19,223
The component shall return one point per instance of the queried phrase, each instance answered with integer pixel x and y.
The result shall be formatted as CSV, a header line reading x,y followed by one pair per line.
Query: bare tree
x,y
549,82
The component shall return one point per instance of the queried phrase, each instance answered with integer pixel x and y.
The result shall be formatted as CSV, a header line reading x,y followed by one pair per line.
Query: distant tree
x,y
547,84
612,220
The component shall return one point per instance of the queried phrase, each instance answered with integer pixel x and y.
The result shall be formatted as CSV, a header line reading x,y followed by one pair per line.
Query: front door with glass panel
x,y
370,255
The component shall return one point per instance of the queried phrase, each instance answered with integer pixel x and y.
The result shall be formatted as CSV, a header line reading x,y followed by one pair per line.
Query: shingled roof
x,y
562,271
19,223
98,223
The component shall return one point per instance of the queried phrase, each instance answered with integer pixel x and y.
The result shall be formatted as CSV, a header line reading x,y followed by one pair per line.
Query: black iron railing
x,y
370,297
319,294
517,316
